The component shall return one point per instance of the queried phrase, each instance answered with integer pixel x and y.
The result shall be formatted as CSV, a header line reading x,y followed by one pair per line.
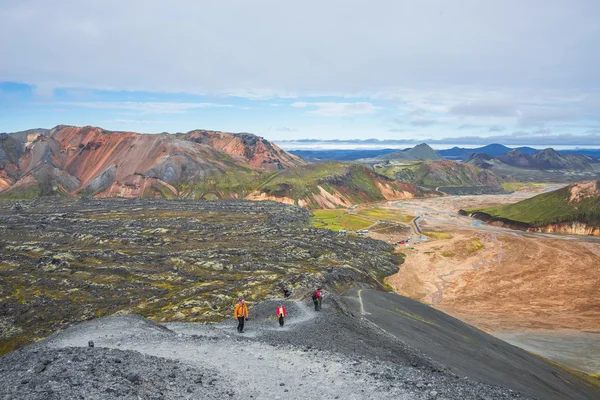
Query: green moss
x,y
13,343
338,219
301,182
226,183
474,246
438,235
514,186
28,193
589,380
386,215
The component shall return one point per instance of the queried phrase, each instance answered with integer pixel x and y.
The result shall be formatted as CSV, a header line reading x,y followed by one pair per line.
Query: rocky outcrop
x,y
256,151
570,228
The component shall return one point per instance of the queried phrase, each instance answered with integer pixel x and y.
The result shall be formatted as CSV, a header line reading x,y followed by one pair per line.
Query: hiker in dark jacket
x,y
281,314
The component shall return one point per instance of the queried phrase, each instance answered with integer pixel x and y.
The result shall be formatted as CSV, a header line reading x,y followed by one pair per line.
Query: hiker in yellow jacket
x,y
241,311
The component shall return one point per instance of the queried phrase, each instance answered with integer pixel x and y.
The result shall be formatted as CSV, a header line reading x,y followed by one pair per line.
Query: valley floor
x,y
503,280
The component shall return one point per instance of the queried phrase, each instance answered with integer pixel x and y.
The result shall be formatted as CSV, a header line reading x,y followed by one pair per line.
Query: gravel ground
x,y
103,373
329,354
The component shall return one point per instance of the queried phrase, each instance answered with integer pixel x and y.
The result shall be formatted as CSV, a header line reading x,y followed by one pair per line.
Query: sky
x,y
462,71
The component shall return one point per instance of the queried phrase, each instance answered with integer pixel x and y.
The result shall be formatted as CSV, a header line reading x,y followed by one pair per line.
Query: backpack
x,y
314,296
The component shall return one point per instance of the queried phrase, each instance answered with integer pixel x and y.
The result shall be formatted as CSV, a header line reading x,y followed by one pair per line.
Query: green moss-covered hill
x,y
333,184
579,202
439,173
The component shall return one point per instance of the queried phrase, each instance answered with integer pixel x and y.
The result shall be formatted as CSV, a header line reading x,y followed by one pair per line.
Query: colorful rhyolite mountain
x,y
90,161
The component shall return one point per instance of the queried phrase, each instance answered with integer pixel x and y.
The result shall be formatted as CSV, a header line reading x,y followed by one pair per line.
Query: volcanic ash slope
x,y
329,354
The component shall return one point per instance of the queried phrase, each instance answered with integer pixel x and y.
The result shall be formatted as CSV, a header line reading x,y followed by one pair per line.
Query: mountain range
x,y
494,150
547,159
455,153
200,164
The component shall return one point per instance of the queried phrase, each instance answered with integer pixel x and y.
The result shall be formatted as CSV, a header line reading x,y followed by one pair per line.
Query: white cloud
x,y
211,48
485,108
334,109
135,121
469,126
496,128
145,107
540,116
44,91
459,66
424,122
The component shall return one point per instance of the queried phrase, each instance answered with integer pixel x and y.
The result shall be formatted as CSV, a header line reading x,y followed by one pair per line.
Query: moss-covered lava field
x,y
64,261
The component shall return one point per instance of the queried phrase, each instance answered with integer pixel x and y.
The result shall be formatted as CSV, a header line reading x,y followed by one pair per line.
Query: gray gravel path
x,y
329,355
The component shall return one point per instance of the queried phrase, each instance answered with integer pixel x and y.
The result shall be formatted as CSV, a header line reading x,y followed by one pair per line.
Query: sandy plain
x,y
517,285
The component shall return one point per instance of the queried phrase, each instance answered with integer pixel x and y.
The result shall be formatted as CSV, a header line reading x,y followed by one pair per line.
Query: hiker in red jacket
x,y
281,314
317,299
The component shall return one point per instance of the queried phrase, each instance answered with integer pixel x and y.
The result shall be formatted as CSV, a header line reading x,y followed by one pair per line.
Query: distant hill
x,y
440,173
455,153
339,154
332,184
543,166
542,160
595,153
420,152
572,209
480,160
494,150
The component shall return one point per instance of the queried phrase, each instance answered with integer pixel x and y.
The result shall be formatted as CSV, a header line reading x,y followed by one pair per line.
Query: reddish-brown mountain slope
x,y
256,151
92,161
